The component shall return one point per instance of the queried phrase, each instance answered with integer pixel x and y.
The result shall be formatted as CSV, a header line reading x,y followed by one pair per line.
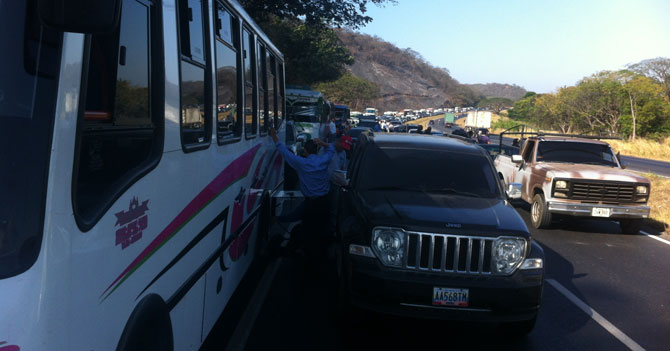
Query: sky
x,y
541,45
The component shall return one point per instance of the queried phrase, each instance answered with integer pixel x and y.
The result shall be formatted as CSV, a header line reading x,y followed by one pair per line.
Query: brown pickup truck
x,y
576,177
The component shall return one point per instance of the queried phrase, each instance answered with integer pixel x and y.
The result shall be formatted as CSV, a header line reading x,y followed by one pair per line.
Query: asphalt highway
x,y
603,290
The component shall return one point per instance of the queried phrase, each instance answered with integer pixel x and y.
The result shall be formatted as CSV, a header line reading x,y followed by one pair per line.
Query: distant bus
x,y
307,111
342,112
137,169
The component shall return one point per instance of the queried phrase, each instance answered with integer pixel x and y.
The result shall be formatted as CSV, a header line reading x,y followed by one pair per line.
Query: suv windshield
x,y
435,171
575,152
30,61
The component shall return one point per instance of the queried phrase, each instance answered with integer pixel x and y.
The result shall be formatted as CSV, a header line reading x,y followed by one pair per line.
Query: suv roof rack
x,y
540,133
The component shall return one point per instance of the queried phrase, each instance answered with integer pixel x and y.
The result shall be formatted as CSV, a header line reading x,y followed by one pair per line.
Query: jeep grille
x,y
449,253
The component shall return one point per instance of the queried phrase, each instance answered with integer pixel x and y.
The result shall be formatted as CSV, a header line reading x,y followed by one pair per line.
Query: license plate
x,y
600,212
450,297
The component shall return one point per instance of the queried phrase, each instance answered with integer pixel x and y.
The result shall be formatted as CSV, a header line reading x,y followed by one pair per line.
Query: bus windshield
x,y
304,112
30,61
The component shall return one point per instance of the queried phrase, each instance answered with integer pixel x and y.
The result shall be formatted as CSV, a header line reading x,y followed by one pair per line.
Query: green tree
x,y
524,108
312,53
657,69
349,13
497,104
350,90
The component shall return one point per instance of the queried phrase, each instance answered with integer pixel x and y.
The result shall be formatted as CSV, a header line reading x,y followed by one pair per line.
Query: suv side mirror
x,y
514,191
99,16
517,158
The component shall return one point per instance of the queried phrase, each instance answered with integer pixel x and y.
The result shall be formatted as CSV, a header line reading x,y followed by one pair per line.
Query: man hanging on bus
x,y
314,181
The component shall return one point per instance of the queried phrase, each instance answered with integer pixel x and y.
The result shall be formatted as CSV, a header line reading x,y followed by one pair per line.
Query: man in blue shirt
x,y
314,180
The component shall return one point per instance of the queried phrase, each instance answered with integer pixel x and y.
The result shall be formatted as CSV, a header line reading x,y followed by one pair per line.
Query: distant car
x,y
368,123
496,149
459,132
355,133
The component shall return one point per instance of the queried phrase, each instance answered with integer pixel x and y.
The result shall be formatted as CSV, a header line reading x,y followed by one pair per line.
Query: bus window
x,y
250,113
262,88
121,128
281,112
272,90
195,121
228,120
28,90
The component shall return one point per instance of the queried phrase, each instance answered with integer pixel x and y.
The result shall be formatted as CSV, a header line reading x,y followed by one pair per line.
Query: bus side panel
x,y
186,318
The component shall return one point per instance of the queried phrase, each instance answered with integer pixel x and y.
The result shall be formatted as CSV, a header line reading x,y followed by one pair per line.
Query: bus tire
x,y
149,326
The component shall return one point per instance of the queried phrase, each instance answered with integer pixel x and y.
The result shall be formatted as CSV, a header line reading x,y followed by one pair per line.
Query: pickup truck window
x,y
435,171
575,152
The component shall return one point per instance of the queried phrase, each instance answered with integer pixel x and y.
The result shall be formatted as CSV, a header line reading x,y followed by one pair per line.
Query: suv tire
x,y
631,226
540,217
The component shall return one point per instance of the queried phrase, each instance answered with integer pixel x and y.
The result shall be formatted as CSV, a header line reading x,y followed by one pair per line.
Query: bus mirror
x,y
80,16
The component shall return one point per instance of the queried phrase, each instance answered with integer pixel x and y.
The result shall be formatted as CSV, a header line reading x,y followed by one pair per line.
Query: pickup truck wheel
x,y
631,226
540,217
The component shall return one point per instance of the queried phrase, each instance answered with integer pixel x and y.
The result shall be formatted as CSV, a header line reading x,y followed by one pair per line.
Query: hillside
x,y
489,90
404,78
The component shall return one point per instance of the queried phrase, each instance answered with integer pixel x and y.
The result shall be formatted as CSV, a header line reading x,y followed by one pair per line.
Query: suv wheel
x,y
540,217
631,226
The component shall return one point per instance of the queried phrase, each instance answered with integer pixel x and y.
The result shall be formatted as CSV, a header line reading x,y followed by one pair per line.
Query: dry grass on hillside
x,y
659,201
658,150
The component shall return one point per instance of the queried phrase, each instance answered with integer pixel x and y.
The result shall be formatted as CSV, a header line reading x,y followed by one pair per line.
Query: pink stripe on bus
x,y
235,171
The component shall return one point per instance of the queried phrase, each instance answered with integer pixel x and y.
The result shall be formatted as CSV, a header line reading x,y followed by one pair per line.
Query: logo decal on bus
x,y
132,223
4,347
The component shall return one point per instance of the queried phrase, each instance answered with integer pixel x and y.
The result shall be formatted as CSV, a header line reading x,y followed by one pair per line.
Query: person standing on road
x,y
336,169
314,182
332,130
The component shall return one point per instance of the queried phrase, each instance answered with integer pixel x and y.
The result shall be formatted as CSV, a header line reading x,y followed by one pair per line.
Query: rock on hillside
x,y
405,79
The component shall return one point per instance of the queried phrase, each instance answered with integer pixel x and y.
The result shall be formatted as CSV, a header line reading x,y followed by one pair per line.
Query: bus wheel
x,y
149,326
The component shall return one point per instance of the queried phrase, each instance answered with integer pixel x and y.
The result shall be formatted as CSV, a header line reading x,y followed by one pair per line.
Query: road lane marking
x,y
238,340
596,316
655,237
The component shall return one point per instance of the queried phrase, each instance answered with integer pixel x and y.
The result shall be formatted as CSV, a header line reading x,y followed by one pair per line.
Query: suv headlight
x,y
641,190
389,245
507,254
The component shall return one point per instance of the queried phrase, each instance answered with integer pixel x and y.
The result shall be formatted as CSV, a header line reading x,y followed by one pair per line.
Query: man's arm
x,y
329,150
293,160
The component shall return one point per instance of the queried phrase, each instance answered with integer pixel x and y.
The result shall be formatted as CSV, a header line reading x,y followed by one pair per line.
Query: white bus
x,y
136,169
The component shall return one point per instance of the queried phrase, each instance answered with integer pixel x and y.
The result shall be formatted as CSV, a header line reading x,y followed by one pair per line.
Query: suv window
x,y
427,170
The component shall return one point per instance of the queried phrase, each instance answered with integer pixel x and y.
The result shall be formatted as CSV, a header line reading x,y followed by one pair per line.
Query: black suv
x,y
426,230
